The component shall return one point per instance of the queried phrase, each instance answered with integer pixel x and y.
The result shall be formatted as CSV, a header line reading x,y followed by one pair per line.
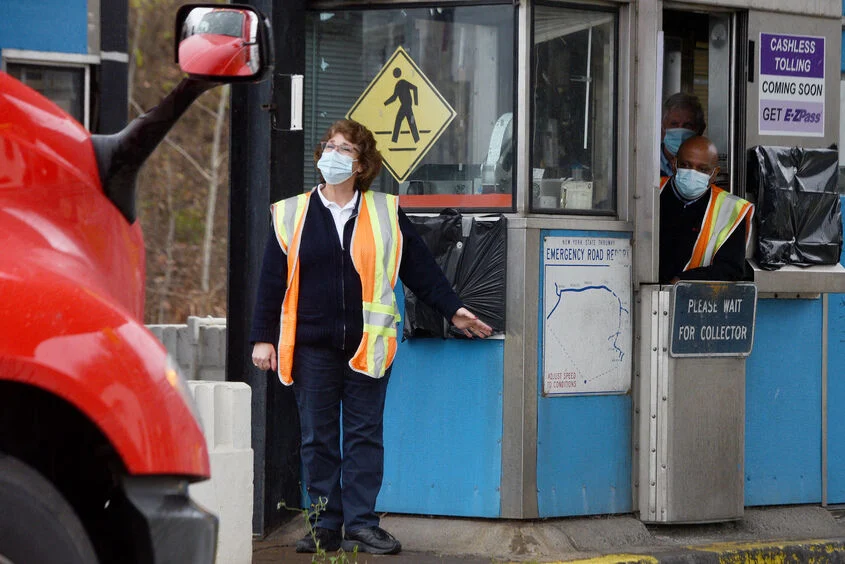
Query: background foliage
x,y
185,222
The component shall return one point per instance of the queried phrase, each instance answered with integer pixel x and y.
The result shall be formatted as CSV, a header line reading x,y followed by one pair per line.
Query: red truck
x,y
98,436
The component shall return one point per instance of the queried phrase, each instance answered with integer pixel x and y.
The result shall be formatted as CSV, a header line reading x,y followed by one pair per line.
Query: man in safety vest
x,y
704,230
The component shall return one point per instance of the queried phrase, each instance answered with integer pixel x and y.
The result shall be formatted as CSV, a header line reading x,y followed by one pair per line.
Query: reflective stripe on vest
x,y
724,214
376,250
288,219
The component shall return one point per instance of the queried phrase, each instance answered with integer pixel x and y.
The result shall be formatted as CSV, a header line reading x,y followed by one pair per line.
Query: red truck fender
x,y
72,342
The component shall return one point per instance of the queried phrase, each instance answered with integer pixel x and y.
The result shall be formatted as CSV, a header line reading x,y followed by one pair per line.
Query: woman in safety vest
x,y
326,289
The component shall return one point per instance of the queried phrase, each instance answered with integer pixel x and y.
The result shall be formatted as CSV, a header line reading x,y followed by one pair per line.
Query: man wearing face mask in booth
x,y
683,117
704,230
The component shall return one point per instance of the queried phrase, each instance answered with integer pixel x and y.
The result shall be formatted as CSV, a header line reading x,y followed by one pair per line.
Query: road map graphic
x,y
586,315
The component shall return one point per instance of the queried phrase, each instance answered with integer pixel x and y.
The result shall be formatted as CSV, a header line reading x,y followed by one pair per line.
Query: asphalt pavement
x,y
778,534
276,555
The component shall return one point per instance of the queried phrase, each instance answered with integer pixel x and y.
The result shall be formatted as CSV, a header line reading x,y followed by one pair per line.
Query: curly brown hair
x,y
369,157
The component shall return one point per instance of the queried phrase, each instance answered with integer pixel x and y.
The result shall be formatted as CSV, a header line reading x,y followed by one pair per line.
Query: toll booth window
x,y
65,86
434,85
574,110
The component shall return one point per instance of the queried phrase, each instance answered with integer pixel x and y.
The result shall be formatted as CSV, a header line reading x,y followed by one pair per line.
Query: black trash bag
x,y
798,212
480,279
442,235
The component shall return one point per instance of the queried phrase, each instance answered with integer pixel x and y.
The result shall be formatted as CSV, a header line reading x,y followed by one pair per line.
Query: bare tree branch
x,y
168,245
213,185
133,49
176,147
205,108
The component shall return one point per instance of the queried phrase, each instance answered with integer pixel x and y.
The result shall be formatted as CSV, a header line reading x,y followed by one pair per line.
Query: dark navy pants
x,y
350,479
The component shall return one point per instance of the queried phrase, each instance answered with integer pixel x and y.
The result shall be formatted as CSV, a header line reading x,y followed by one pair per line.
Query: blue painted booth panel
x,y
783,404
836,395
836,399
583,442
584,455
46,25
443,428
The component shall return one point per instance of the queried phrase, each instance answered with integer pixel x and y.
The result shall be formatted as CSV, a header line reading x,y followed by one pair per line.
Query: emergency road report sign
x,y
404,111
585,286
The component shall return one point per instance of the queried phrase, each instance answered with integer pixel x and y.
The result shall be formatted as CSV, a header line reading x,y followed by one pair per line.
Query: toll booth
x,y
550,115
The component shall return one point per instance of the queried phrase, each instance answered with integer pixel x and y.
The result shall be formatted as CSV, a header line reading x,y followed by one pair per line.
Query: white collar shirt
x,y
340,214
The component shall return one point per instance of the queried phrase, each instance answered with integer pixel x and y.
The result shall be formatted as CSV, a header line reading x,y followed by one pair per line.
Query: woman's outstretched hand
x,y
467,322
264,356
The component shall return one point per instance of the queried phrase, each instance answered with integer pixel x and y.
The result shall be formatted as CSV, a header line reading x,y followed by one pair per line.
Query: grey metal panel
x,y
796,279
625,91
691,427
719,87
649,14
644,385
793,280
523,108
660,406
705,446
831,30
823,8
519,404
93,27
513,400
575,223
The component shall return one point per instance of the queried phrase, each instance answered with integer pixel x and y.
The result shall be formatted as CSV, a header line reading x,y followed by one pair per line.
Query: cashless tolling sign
x,y
404,111
791,85
713,319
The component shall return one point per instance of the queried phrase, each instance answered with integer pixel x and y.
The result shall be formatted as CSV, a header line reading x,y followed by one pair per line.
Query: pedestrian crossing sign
x,y
404,111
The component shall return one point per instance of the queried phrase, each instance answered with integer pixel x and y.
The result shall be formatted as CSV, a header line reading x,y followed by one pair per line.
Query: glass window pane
x,y
64,86
465,57
574,110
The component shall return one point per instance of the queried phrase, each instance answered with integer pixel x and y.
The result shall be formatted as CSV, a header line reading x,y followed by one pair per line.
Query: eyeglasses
x,y
344,149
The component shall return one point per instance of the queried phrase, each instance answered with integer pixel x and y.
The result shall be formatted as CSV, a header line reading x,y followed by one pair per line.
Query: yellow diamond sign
x,y
405,113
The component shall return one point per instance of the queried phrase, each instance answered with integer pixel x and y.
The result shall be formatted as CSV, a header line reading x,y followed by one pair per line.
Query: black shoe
x,y
329,541
374,540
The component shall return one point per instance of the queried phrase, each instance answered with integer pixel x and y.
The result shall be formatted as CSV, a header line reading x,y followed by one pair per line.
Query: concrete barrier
x,y
198,347
225,413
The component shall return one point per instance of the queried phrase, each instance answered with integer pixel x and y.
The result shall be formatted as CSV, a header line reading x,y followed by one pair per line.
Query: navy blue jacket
x,y
330,303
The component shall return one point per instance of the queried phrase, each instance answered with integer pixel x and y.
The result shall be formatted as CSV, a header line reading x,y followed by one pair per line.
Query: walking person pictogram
x,y
402,91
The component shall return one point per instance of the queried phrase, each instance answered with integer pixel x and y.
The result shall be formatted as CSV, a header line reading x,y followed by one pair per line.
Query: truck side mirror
x,y
215,43
223,42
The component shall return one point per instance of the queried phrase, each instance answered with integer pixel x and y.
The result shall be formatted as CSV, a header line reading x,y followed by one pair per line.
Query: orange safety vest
x,y
376,251
724,213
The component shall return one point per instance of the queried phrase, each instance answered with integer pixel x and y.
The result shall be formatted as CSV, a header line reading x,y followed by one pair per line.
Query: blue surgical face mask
x,y
335,166
674,138
690,183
